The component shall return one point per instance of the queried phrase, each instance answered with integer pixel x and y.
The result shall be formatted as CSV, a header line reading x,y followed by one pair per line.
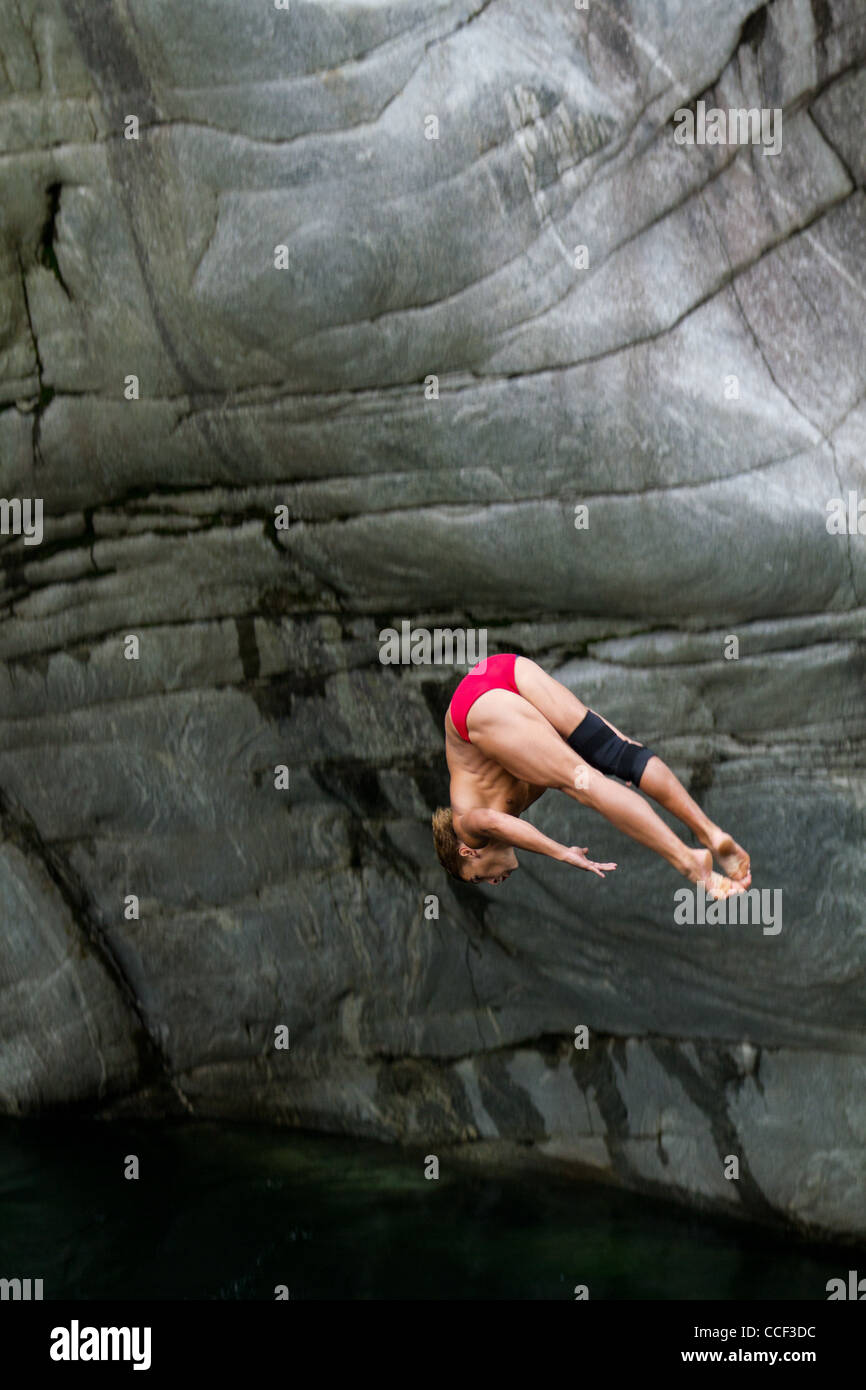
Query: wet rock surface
x,y
698,384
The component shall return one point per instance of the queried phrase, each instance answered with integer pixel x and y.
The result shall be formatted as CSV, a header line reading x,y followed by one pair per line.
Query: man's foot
x,y
733,859
715,885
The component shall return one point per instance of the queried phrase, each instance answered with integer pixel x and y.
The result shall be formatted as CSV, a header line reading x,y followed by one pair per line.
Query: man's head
x,y
492,865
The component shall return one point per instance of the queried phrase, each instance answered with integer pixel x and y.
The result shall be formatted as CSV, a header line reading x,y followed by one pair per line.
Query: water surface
x,y
228,1212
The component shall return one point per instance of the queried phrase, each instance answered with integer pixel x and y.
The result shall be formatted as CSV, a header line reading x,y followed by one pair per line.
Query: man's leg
x,y
660,783
549,696
511,732
566,713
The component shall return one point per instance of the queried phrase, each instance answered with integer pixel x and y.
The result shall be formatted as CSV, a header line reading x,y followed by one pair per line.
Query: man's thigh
x,y
512,732
549,697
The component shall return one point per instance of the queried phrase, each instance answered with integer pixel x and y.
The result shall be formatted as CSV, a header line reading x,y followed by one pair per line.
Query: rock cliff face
x,y
695,377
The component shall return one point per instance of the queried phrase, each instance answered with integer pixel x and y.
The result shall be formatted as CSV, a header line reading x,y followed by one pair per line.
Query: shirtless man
x,y
512,732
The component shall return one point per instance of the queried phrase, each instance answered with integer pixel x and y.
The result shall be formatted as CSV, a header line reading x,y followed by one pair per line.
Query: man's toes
x,y
719,886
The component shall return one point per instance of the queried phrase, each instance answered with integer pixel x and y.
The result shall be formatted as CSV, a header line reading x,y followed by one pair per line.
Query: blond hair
x,y
446,842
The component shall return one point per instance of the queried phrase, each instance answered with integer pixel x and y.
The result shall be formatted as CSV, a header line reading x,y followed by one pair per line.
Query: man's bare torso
x,y
479,783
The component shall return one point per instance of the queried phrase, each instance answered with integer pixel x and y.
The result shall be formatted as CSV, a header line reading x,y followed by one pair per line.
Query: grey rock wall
x,y
608,386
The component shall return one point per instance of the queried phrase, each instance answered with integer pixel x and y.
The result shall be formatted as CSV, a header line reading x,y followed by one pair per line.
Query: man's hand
x,y
577,858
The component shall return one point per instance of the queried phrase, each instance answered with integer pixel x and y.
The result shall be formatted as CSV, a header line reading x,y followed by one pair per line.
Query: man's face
x,y
491,865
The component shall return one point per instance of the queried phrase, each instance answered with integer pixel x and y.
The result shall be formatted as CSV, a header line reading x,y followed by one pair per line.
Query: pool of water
x,y
226,1212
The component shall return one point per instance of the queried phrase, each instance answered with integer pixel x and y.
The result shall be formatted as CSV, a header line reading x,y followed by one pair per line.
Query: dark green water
x,y
229,1213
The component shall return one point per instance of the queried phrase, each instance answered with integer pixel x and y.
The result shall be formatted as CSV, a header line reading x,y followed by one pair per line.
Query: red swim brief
x,y
493,673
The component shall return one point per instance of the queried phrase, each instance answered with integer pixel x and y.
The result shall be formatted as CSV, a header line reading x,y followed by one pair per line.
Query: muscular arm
x,y
511,830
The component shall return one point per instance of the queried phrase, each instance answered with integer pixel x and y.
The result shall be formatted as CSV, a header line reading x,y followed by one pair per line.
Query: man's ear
x,y
467,852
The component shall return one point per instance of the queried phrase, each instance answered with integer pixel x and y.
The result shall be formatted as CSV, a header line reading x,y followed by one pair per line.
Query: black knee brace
x,y
604,750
